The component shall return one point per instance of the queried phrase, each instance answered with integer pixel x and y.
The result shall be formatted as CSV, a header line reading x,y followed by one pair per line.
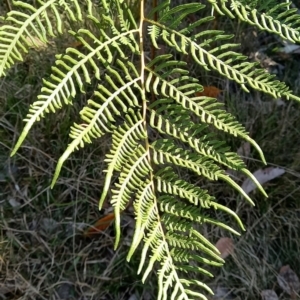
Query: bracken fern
x,y
136,96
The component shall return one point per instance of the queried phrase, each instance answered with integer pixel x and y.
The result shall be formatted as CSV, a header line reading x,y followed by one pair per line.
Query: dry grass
x,y
272,239
43,254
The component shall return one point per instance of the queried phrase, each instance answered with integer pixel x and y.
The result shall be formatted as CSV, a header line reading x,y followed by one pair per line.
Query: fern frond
x,y
205,108
279,19
16,39
185,130
179,241
162,7
193,134
242,72
166,151
183,255
175,15
163,247
144,207
175,224
133,174
192,214
169,182
99,118
154,32
68,70
125,140
165,250
158,244
134,99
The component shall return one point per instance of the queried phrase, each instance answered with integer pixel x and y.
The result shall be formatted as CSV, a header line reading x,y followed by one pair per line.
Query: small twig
x,y
8,5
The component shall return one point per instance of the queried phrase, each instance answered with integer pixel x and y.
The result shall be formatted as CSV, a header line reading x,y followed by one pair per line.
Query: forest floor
x,y
44,253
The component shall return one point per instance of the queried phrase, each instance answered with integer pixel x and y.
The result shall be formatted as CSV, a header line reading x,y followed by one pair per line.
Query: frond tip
x,y
31,23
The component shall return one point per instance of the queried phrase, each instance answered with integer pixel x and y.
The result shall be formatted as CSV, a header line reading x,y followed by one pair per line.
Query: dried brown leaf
x,y
290,48
244,150
288,281
225,246
269,295
64,291
13,202
222,293
48,225
100,225
262,176
133,297
209,91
